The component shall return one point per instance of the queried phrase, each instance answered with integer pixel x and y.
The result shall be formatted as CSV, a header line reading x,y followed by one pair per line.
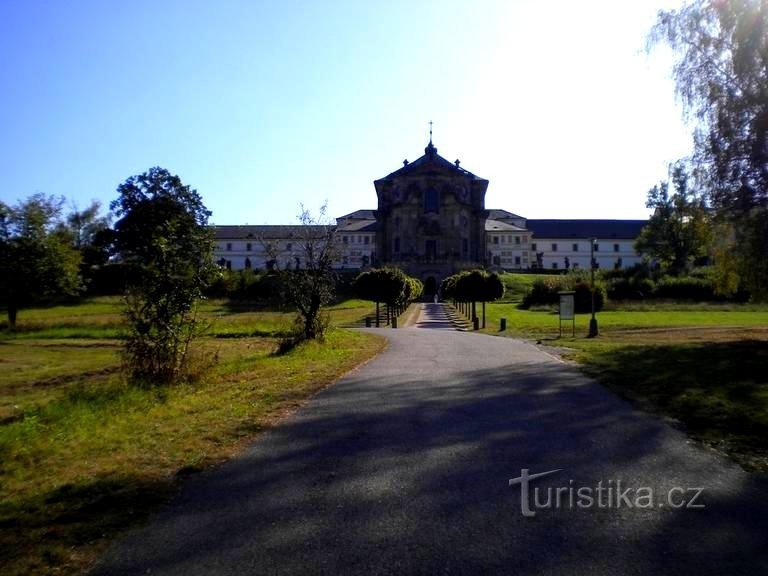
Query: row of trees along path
x,y
469,287
388,286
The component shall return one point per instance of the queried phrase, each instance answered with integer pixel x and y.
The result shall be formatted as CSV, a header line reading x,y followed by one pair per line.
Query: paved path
x,y
402,467
434,316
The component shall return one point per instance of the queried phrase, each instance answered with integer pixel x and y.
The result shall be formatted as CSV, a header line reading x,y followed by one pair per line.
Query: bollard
x,y
503,325
367,321
394,321
475,323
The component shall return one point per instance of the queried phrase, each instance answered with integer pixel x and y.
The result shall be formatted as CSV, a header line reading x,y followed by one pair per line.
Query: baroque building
x,y
431,221
431,216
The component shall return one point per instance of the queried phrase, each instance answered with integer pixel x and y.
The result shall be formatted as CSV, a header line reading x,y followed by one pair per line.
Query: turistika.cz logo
x,y
605,494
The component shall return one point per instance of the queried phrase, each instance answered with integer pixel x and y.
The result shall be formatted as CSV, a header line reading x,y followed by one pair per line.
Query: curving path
x,y
403,467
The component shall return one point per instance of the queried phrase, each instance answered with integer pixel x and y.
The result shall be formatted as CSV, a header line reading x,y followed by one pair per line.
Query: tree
x,y
475,286
678,231
37,261
493,289
309,285
91,235
721,75
389,285
164,241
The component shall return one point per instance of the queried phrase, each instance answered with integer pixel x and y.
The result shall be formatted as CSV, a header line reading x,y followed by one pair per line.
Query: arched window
x,y
431,200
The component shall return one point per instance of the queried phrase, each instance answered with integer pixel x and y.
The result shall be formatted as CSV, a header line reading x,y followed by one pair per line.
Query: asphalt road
x,y
403,467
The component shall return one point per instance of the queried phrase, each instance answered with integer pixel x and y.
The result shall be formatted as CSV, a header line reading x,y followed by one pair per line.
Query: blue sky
x,y
262,106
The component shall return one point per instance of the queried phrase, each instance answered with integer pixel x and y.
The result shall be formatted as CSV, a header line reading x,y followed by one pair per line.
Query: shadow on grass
x,y
56,524
718,391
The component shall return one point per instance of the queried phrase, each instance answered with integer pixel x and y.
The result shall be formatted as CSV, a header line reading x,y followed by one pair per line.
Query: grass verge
x,y
83,455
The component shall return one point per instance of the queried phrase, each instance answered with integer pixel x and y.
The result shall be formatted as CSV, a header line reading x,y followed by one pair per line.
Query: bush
x,y
546,292
630,288
107,280
685,288
543,293
583,298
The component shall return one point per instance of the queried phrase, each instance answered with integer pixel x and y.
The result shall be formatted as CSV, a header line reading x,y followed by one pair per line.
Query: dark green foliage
x,y
107,280
678,231
388,285
583,297
91,235
166,246
631,288
473,286
546,292
37,259
247,285
722,79
685,288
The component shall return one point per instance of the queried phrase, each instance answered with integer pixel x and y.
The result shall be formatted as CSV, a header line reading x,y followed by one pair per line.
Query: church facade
x,y
431,221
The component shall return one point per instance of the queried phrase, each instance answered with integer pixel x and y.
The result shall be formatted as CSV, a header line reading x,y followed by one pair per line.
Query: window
x,y
431,200
397,245
345,239
248,263
248,246
575,247
554,247
367,240
533,246
517,260
597,247
497,260
431,248
495,239
229,248
554,265
229,264
615,247
289,246
517,239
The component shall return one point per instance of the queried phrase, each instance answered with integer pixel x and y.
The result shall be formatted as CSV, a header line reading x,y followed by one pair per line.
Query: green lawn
x,y
544,323
83,455
101,318
517,285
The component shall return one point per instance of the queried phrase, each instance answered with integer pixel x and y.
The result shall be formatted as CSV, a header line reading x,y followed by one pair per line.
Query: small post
x,y
367,321
593,321
503,324
475,323
394,321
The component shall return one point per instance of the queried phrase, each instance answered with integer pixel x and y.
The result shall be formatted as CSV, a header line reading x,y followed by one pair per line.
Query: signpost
x,y
567,311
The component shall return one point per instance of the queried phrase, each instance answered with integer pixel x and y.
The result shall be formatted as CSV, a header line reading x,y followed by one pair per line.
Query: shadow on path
x,y
402,467
434,316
